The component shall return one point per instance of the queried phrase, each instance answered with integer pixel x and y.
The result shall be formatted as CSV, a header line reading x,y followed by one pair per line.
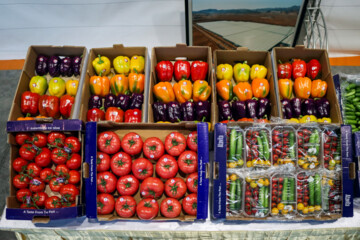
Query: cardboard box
x,y
13,210
252,57
29,71
111,53
285,54
145,131
191,53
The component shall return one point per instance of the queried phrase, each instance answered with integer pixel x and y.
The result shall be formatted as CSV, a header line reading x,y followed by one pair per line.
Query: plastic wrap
x,y
258,147
257,196
309,140
234,195
332,193
235,147
331,148
284,146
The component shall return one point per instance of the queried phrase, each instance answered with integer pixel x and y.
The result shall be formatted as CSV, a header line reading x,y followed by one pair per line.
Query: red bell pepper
x,y
95,115
313,69
181,70
133,116
164,71
298,68
284,70
30,103
114,114
199,70
49,106
66,103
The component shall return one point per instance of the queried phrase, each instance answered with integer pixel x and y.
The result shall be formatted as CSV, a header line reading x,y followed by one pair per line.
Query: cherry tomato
x,y
19,164
189,204
20,181
125,206
170,208
108,142
73,143
74,162
147,209
62,170
21,138
59,156
142,168
53,202
152,187
56,139
27,206
46,175
153,148
127,185
39,139
191,141
22,194
188,162
69,192
74,177
102,162
120,164
132,143
105,203
43,159
27,152
56,183
192,182
175,144
36,185
40,198
166,167
106,182
175,188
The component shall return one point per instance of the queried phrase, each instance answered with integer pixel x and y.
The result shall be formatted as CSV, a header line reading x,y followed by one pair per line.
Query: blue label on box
x,y
346,143
56,125
336,79
348,191
357,144
53,214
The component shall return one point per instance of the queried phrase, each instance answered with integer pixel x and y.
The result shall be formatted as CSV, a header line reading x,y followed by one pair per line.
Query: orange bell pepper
x,y
243,91
286,88
119,84
100,85
260,87
183,90
225,89
164,92
245,120
201,90
318,88
26,118
302,87
136,82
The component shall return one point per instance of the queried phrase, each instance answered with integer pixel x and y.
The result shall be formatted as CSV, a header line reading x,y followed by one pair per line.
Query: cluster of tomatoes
x,y
143,171
47,159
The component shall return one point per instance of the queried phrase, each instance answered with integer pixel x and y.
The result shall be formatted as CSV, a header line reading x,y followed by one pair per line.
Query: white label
x,y
106,177
126,60
310,179
168,201
34,84
172,135
101,156
55,81
130,179
223,69
184,83
152,156
135,57
172,181
164,88
106,135
188,156
74,84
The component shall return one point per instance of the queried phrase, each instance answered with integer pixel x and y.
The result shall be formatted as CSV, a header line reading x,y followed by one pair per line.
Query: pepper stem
x,y
100,61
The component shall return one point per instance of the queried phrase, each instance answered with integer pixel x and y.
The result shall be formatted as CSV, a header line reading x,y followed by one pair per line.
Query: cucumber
x,y
311,193
261,148
261,197
232,147
351,113
238,194
266,197
350,86
291,144
326,198
350,93
265,143
349,117
356,114
357,94
317,142
239,146
291,195
232,197
317,189
284,196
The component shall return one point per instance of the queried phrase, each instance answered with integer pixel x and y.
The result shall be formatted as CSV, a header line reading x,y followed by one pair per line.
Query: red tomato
x,y
59,156
36,185
106,182
132,143
74,177
170,208
105,203
23,194
175,144
188,162
189,204
19,164
40,198
151,187
73,143
27,152
69,192
108,142
43,159
125,206
56,183
20,181
33,170
120,164
153,148
39,139
191,141
175,188
142,168
27,206
166,167
46,175
147,209
127,185
21,138
53,202
61,170
56,139
74,162
102,162
192,182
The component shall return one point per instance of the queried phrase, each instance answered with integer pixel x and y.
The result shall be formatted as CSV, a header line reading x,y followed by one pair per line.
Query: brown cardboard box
x,y
111,53
29,71
299,52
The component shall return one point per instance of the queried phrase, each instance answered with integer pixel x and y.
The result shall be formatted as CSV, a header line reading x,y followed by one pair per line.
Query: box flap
x,y
56,125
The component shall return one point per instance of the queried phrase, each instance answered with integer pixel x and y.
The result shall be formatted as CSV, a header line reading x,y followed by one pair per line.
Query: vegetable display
x,y
257,196
283,195
309,198
258,148
309,148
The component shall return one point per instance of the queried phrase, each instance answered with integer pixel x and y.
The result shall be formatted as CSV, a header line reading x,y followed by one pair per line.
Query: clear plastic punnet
x,y
309,142
332,193
331,143
257,196
284,146
234,195
258,147
235,147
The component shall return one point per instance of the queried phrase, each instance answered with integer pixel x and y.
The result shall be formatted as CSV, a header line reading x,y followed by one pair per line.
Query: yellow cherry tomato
x,y
233,177
275,211
300,206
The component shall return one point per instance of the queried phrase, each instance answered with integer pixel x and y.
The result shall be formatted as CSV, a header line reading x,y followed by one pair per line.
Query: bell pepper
x,y
71,87
313,69
26,118
99,85
164,92
246,120
260,87
251,108
66,103
227,121
199,70
224,108
136,82
49,106
133,116
318,88
242,72
174,112
238,109
136,101
183,90
38,84
307,119
243,91
119,84
110,100
258,71
202,109
122,65
296,106
164,71
308,107
163,122
159,112
41,65
225,89
181,70
324,120
322,106
298,68
76,64
114,114
54,66
57,87
137,64
30,103
284,70
263,120
201,90
66,68
101,65
285,88
95,115
293,120
188,111
224,71
287,110
95,101
123,101
263,108
302,87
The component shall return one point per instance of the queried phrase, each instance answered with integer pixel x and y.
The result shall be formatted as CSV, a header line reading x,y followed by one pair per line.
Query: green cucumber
x,y
266,197
357,114
261,147
355,100
350,93
317,142
325,206
349,117
311,192
239,147
261,197
291,196
350,121
232,147
292,144
265,144
232,197
238,194
284,196
350,86
317,189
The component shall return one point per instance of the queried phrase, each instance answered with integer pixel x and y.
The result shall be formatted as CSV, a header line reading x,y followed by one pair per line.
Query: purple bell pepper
x,y
159,111
238,109
251,108
95,101
41,65
264,108
308,107
54,66
224,110
110,101
76,62
66,68
287,110
296,107
188,111
123,101
136,101
202,109
322,107
173,112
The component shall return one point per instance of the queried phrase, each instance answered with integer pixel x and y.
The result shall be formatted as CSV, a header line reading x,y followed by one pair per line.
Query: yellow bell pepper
x,y
258,71
307,119
101,65
201,90
324,120
242,72
183,90
137,64
71,87
122,65
224,71
163,122
293,120
164,92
